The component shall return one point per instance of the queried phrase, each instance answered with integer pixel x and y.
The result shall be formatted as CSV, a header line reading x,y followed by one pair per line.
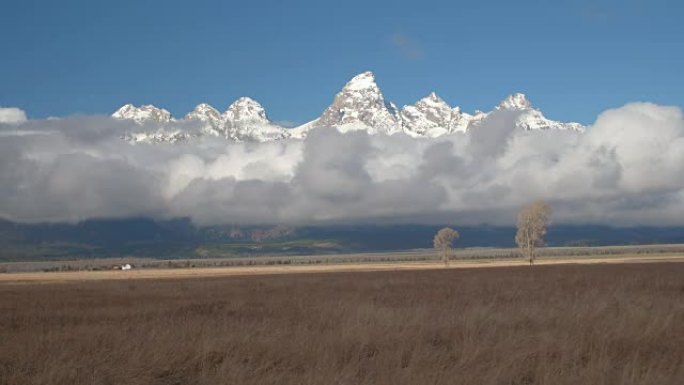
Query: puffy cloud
x,y
627,169
12,115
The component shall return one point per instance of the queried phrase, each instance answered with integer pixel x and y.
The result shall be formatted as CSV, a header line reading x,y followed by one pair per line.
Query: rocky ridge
x,y
360,105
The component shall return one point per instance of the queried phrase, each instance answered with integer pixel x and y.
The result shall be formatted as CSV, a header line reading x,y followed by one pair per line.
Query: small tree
x,y
444,241
532,222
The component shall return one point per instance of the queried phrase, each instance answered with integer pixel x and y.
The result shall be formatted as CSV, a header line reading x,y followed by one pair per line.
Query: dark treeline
x,y
180,238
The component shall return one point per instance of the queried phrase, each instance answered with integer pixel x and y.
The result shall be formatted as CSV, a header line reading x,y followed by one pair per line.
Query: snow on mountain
x,y
430,116
360,105
302,131
516,101
210,118
154,125
143,114
433,117
462,121
246,120
246,111
160,135
531,118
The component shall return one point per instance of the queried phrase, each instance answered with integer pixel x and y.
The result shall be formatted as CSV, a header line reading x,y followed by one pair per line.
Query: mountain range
x,y
360,105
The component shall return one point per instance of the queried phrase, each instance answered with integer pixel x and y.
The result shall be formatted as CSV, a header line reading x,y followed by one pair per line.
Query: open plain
x,y
204,272
554,323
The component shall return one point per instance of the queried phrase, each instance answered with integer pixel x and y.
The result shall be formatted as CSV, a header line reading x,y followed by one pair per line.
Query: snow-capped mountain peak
x,y
360,105
531,118
246,110
432,100
212,121
153,125
534,119
246,119
430,116
204,112
142,114
361,81
516,101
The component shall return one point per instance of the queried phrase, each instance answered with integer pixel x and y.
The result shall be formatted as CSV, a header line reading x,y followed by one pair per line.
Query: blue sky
x,y
574,58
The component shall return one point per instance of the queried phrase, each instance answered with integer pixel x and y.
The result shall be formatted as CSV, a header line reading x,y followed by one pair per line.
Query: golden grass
x,y
571,324
204,272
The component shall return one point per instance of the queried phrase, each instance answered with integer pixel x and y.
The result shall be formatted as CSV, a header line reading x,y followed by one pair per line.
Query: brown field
x,y
551,324
475,254
205,272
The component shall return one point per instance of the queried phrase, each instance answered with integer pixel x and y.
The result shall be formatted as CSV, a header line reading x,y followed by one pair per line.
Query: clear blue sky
x,y
574,58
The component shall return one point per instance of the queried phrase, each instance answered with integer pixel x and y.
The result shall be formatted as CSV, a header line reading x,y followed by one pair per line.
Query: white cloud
x,y
12,115
627,169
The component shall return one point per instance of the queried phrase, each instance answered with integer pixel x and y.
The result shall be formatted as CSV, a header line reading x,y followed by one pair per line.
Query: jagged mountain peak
x,y
362,81
246,101
122,109
144,113
516,101
431,116
360,105
203,111
530,118
246,120
212,121
204,107
246,109
433,100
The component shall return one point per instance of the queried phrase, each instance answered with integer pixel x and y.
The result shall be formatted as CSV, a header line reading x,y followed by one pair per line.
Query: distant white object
x,y
126,267
12,115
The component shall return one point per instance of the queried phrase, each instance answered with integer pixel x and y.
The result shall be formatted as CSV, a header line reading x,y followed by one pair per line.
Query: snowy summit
x,y
360,105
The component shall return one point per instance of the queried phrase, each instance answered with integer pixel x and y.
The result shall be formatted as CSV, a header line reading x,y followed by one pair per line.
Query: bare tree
x,y
444,241
532,222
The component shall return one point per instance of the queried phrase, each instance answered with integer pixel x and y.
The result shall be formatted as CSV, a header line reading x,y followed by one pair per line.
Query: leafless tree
x,y
444,241
532,222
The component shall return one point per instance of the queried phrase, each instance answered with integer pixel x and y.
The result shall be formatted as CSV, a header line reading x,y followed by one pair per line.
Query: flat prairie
x,y
600,323
204,272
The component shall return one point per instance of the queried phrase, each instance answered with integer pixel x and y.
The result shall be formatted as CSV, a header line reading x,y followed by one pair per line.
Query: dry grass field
x,y
476,254
206,272
564,324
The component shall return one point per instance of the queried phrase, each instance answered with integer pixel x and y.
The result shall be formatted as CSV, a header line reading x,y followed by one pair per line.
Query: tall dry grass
x,y
545,325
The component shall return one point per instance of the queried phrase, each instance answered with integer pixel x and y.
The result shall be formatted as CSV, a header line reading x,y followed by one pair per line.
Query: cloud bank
x,y
627,169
